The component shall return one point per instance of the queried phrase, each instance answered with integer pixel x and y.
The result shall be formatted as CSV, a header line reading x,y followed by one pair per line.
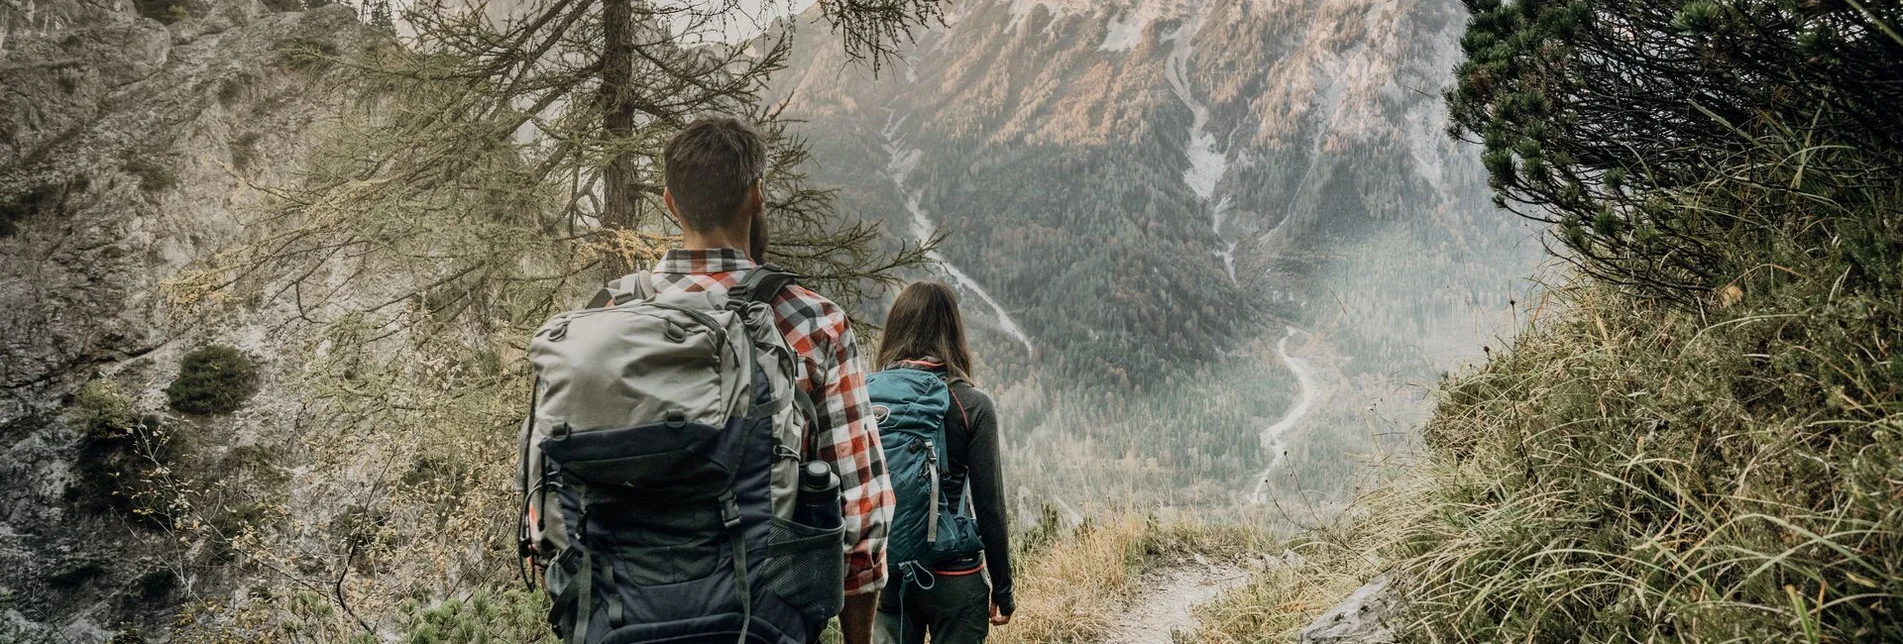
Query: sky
x,y
755,15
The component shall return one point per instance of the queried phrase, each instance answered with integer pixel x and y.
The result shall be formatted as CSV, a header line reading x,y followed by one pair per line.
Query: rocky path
x,y
1168,599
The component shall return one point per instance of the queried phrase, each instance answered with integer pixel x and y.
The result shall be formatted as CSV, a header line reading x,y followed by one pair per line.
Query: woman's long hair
x,y
924,323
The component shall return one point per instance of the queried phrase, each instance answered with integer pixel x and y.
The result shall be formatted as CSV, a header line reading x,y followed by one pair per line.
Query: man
x,y
713,172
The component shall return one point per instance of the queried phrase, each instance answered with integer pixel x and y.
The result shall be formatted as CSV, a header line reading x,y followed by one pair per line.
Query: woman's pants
x,y
955,610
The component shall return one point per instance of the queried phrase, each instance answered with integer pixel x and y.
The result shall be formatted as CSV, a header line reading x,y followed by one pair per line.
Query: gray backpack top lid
x,y
659,469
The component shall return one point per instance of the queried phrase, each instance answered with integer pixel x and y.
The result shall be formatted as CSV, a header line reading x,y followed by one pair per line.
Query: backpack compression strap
x,y
759,285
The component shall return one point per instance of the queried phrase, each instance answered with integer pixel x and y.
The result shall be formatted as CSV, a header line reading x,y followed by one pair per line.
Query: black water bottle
x,y
819,505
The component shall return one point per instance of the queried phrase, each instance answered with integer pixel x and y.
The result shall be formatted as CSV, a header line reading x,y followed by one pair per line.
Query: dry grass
x,y
1317,569
1069,590
1072,584
1632,472
1720,468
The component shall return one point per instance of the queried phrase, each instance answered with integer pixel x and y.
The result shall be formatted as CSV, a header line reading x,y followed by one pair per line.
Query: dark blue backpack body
x,y
910,406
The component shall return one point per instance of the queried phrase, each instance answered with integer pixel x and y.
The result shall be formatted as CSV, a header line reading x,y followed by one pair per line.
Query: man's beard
x,y
757,239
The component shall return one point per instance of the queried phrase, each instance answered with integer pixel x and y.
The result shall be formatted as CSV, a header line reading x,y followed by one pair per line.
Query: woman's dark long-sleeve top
x,y
971,429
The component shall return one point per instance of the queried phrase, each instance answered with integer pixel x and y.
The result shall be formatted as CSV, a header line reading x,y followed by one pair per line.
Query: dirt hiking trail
x,y
1167,598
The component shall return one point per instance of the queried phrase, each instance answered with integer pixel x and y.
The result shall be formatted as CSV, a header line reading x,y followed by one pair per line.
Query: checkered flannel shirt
x,y
829,371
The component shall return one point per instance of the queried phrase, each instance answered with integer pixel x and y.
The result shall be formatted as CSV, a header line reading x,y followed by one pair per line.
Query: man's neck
x,y
691,240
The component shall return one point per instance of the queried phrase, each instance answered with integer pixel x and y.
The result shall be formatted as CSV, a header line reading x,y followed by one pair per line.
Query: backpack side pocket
x,y
806,568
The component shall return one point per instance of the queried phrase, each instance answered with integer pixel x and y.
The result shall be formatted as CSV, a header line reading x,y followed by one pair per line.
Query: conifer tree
x,y
1591,112
520,146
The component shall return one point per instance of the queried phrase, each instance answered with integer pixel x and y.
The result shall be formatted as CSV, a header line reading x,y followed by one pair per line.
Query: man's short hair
x,y
709,166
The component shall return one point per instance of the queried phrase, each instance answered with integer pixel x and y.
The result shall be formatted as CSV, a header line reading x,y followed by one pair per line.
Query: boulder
x,y
1364,618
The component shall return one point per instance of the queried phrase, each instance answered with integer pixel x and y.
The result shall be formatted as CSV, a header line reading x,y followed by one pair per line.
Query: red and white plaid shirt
x,y
829,371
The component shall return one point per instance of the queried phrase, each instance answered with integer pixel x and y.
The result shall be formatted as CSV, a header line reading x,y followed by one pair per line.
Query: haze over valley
x,y
1216,251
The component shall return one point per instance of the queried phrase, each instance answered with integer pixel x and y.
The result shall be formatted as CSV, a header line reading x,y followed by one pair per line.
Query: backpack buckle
x,y
729,510
738,302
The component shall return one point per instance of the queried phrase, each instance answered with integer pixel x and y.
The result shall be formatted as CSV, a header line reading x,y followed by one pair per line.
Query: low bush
x,y
489,616
244,150
214,379
154,171
118,450
165,11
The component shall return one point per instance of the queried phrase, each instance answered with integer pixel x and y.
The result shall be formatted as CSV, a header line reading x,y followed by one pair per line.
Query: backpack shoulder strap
x,y
952,390
762,284
809,438
631,287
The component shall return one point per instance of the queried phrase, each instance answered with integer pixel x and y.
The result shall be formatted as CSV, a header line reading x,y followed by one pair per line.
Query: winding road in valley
x,y
1305,402
1208,166
901,161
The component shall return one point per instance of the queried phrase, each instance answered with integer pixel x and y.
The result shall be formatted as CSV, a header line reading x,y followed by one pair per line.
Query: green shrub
x,y
244,150
1589,112
215,379
165,11
306,54
232,88
512,615
109,441
101,409
156,584
118,450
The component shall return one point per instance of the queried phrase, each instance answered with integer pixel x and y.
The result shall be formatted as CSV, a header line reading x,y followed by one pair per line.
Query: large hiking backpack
x,y
910,406
660,468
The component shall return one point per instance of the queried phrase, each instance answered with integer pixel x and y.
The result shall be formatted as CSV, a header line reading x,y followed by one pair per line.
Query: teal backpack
x,y
910,406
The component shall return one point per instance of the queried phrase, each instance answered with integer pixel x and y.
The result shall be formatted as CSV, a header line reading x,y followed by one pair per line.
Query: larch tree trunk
x,y
619,195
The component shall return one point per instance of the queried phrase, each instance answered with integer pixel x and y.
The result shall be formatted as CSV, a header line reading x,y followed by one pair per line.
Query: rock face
x,y
128,150
1364,618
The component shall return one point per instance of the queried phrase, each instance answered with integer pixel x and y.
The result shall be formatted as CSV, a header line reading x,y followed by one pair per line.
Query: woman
x,y
923,330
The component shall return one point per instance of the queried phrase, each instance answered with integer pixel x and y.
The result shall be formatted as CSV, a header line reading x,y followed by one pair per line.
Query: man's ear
x,y
756,198
667,197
